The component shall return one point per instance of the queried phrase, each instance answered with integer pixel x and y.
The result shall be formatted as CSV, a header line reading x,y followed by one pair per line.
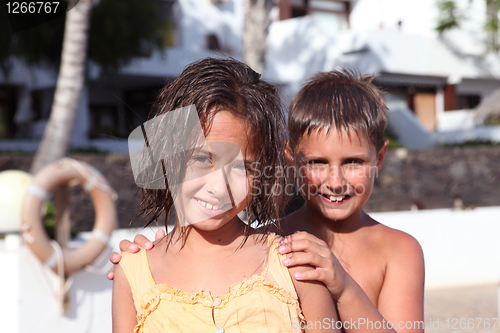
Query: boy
x,y
336,125
375,273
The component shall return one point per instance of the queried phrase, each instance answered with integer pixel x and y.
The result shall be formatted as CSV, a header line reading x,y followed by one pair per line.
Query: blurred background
x,y
78,82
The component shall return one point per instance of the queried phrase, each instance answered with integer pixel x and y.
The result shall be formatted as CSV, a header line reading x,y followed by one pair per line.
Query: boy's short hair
x,y
343,99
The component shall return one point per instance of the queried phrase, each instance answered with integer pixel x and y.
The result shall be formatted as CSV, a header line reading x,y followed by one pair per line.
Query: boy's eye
x,y
354,161
316,162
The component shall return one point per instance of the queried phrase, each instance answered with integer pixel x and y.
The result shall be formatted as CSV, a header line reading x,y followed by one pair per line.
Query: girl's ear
x,y
289,153
381,154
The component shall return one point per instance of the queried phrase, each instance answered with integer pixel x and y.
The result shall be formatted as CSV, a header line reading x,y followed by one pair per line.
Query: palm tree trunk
x,y
255,32
69,86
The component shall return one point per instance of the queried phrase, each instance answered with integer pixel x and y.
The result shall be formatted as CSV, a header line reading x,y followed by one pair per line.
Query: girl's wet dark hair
x,y
213,85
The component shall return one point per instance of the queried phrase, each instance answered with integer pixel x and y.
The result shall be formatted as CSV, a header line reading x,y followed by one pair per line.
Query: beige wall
x,y
425,109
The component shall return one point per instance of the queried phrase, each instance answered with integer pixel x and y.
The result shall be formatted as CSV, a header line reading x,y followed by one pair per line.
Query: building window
x,y
467,102
167,27
8,105
139,103
331,14
41,103
103,121
212,42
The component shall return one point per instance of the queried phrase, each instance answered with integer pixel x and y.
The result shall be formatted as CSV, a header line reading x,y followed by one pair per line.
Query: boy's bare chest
x,y
367,269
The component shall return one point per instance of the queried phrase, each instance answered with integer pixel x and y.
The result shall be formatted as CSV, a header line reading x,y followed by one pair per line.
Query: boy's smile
x,y
337,171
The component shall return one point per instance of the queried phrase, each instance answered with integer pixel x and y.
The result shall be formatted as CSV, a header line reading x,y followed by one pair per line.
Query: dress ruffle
x,y
151,300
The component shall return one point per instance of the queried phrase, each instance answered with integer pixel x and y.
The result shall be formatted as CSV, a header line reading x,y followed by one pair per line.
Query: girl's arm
x,y
401,297
316,303
124,314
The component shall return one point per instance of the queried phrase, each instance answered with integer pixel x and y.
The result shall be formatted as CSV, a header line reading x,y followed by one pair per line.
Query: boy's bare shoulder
x,y
292,223
395,243
286,226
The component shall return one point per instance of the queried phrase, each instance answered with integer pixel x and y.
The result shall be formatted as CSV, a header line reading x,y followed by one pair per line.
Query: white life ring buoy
x,y
48,179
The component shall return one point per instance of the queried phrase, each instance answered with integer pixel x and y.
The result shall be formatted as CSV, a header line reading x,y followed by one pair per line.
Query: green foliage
x,y
393,139
492,121
449,16
49,221
492,24
5,41
119,31
40,45
167,31
472,143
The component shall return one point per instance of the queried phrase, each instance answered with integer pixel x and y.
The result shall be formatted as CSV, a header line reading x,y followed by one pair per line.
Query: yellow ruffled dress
x,y
263,303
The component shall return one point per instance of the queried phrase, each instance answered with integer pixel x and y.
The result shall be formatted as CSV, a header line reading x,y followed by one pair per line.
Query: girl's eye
x,y
201,161
239,167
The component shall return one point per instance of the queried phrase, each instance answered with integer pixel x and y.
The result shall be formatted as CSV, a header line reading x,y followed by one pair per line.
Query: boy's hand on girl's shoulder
x,y
303,248
128,246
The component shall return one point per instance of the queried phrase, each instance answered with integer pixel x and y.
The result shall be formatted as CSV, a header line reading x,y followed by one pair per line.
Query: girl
x,y
214,272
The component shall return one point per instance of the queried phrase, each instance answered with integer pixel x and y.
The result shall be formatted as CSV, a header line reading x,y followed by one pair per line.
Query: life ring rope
x,y
62,284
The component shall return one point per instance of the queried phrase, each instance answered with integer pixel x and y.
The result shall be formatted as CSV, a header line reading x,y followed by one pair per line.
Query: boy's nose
x,y
336,181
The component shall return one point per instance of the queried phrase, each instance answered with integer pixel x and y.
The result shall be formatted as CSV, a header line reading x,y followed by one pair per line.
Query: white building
x,y
433,82
425,76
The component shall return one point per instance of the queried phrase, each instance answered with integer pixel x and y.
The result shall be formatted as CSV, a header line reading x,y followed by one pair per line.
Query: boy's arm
x,y
401,298
402,295
359,314
124,314
128,246
316,303
305,249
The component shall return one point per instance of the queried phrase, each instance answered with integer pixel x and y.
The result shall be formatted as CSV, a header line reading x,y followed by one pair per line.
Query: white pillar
x,y
10,285
439,107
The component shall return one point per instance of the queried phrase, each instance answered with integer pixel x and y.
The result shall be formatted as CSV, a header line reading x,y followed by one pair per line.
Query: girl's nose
x,y
216,184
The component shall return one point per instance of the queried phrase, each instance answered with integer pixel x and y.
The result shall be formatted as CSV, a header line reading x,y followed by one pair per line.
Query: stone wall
x,y
440,178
